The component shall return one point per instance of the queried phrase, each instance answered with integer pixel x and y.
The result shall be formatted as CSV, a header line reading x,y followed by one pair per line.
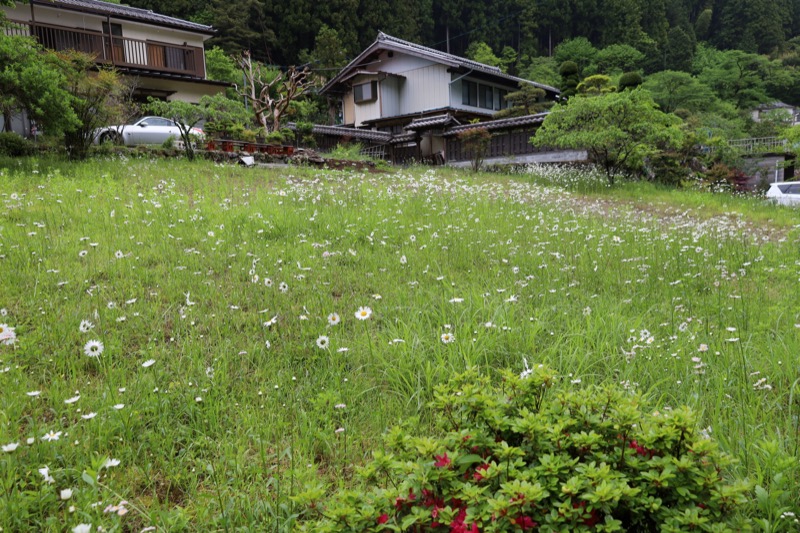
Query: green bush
x,y
519,456
14,145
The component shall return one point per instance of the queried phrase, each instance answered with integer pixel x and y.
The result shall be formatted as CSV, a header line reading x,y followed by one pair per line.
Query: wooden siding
x,y
505,144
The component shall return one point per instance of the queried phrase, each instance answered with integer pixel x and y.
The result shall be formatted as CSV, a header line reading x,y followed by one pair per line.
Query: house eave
x,y
162,21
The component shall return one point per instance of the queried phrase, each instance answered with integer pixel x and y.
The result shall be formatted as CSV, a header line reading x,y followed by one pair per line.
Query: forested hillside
x,y
666,31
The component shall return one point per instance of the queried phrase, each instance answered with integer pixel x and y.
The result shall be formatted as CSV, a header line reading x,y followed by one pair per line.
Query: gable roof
x,y
125,12
387,42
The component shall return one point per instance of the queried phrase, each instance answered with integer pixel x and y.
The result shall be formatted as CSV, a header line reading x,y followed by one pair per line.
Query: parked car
x,y
785,192
145,130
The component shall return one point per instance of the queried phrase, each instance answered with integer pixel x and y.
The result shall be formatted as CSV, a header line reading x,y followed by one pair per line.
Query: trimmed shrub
x,y
14,145
630,80
521,456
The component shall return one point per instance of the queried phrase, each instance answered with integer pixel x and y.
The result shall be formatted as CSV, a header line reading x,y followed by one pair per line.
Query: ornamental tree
x,y
618,130
187,116
527,454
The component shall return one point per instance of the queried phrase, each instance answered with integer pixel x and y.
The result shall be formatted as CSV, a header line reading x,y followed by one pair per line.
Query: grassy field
x,y
201,342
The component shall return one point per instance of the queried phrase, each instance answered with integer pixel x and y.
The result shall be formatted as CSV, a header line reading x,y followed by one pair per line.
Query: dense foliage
x,y
657,35
521,456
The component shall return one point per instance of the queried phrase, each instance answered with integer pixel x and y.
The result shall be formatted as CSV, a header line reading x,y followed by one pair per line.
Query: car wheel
x,y
110,136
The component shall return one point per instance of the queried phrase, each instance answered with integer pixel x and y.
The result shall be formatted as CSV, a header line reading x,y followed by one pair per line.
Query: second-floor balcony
x,y
121,52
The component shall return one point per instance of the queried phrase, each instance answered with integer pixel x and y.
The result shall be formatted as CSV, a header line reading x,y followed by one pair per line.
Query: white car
x,y
785,192
146,130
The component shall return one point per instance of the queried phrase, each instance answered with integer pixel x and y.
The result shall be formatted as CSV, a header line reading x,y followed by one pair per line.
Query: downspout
x,y
450,95
462,76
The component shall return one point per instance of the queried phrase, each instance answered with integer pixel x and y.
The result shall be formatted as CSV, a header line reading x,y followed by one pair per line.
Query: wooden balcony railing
x,y
121,52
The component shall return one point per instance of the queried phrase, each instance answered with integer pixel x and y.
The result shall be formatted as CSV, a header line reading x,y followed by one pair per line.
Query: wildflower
x,y
10,447
403,260
7,335
447,338
111,305
271,321
45,472
72,400
363,313
85,326
66,494
283,287
442,461
342,349
323,341
53,435
111,462
340,406
34,393
89,416
119,406
382,519
339,430
82,528
149,363
703,348
198,399
334,319
83,253
456,300
268,282
118,254
93,348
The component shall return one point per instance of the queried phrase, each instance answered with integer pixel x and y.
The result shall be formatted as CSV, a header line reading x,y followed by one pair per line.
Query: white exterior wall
x,y
390,95
367,110
425,88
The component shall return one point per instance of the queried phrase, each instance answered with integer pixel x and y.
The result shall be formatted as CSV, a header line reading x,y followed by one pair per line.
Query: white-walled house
x,y
164,55
393,82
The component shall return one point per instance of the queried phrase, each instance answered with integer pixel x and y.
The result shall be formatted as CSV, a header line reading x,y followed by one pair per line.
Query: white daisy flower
x,y
149,363
334,319
66,494
89,416
72,400
363,313
111,462
447,338
45,472
85,326
10,447
93,348
53,435
323,341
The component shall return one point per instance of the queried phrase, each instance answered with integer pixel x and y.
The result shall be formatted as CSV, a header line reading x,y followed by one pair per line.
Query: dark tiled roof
x,y
388,42
431,122
344,131
404,138
501,124
126,12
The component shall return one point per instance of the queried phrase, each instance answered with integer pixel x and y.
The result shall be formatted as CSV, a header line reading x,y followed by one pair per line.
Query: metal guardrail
x,y
760,145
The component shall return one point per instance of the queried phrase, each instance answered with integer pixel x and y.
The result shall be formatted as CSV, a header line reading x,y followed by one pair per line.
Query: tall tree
x,y
619,130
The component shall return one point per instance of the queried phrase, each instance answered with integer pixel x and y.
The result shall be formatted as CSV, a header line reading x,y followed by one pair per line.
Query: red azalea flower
x,y
442,461
525,522
479,471
382,519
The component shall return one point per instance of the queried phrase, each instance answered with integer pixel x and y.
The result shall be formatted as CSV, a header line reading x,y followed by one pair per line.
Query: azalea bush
x,y
522,455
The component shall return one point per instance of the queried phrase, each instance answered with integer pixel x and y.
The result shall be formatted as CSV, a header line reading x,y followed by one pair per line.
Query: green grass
x,y
168,260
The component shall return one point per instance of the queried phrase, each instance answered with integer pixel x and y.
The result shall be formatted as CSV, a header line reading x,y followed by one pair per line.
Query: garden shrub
x,y
14,145
521,456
